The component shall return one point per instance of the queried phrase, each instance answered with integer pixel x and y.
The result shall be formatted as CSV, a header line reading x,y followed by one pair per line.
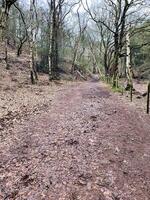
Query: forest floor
x,y
77,141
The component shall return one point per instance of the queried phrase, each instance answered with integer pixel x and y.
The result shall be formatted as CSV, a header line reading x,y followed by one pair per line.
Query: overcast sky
x,y
44,3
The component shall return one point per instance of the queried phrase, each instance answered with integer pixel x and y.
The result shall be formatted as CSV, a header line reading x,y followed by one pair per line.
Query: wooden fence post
x,y
107,78
113,81
32,77
131,93
117,82
148,95
122,90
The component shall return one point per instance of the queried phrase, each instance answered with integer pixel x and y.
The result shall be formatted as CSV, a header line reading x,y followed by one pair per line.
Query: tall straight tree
x,y
58,10
54,14
128,62
32,37
82,28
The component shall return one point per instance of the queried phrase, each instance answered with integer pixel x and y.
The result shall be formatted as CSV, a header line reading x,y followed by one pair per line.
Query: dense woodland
x,y
107,37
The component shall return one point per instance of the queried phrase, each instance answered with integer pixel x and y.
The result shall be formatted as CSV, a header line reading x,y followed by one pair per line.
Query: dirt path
x,y
88,145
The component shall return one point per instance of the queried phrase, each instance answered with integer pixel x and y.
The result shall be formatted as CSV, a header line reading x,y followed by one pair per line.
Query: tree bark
x,y
128,63
32,44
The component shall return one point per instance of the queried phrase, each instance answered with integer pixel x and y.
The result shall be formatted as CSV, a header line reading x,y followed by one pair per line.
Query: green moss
x,y
117,89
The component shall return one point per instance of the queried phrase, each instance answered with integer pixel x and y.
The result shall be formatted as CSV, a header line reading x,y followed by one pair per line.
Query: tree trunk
x,y
6,53
19,49
114,70
31,62
51,10
32,45
53,46
74,60
94,68
128,63
106,63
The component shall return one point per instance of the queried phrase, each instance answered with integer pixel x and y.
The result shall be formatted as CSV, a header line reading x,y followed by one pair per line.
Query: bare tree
x,y
82,28
4,15
119,13
33,30
57,15
22,30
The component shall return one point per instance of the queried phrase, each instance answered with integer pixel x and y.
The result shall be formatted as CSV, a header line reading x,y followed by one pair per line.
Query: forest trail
x,y
89,144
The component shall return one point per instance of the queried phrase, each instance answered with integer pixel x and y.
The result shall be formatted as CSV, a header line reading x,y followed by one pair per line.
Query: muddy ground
x,y
83,143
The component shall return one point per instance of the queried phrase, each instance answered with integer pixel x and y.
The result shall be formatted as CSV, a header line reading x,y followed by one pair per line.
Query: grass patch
x,y
114,89
117,89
